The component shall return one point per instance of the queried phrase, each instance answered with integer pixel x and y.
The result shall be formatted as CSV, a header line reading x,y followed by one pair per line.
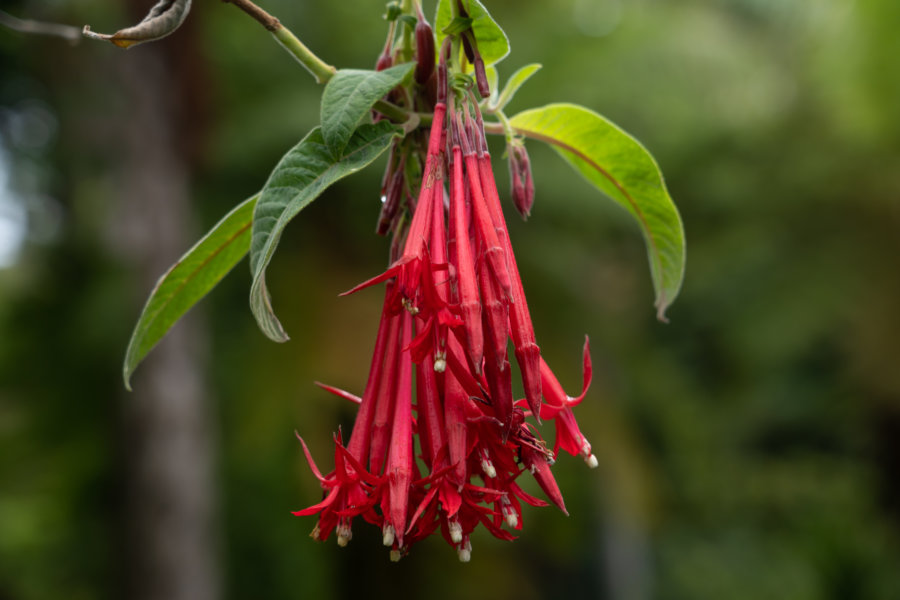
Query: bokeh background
x,y
748,449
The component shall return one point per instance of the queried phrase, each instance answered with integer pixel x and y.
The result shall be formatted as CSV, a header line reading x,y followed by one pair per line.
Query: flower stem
x,y
319,69
315,65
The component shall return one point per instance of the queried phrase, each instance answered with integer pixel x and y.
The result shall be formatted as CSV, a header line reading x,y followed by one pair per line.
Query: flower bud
x,y
424,52
521,182
384,61
484,87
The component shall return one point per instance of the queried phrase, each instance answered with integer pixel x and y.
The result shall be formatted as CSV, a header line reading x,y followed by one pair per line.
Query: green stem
x,y
507,128
315,65
319,69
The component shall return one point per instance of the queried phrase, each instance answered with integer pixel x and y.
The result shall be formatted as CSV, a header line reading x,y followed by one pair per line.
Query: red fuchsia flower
x,y
453,302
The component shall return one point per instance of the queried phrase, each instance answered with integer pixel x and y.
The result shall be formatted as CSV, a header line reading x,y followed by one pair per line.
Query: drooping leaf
x,y
512,86
165,17
306,171
349,95
623,169
493,44
188,281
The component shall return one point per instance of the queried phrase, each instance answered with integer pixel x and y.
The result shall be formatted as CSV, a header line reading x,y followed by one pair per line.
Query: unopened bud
x,y
424,51
442,70
484,88
521,182
384,61
469,48
388,535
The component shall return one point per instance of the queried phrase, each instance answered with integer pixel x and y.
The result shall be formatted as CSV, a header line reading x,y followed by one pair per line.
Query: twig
x,y
319,69
73,34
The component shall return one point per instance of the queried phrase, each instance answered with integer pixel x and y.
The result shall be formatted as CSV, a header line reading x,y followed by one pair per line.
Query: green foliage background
x,y
749,449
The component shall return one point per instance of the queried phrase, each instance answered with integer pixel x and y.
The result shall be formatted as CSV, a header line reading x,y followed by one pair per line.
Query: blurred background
x,y
748,449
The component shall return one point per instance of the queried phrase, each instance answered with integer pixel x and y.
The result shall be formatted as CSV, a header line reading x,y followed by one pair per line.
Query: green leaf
x,y
493,44
513,85
306,171
349,96
622,168
493,82
457,25
188,280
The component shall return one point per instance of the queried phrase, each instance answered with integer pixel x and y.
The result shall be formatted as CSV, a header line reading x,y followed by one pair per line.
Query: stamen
x,y
487,466
456,532
344,535
388,535
395,556
440,362
465,551
509,513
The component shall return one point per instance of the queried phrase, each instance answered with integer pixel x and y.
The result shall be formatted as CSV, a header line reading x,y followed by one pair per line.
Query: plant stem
x,y
319,69
315,65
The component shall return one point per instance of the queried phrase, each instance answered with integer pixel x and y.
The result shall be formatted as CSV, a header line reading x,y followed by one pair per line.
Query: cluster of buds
x,y
441,369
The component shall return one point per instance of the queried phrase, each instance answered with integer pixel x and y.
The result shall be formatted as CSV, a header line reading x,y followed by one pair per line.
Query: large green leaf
x,y
188,280
302,175
623,169
493,44
349,95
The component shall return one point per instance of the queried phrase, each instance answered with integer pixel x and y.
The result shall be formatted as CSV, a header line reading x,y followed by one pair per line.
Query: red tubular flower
x,y
453,300
399,468
528,353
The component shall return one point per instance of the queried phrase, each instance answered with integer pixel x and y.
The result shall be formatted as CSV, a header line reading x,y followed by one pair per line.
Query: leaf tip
x,y
661,305
126,377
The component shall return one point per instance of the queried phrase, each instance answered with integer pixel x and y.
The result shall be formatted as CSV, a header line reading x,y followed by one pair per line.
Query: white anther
x,y
512,519
440,363
388,535
383,198
465,552
456,532
344,535
488,467
591,461
395,556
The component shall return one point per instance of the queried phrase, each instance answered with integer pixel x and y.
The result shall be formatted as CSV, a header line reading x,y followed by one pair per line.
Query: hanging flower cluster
x,y
440,369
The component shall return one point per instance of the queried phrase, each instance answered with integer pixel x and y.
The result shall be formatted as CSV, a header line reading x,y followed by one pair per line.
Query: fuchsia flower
x,y
453,301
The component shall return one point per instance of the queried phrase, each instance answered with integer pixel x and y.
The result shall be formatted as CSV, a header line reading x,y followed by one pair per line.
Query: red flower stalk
x,y
453,300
